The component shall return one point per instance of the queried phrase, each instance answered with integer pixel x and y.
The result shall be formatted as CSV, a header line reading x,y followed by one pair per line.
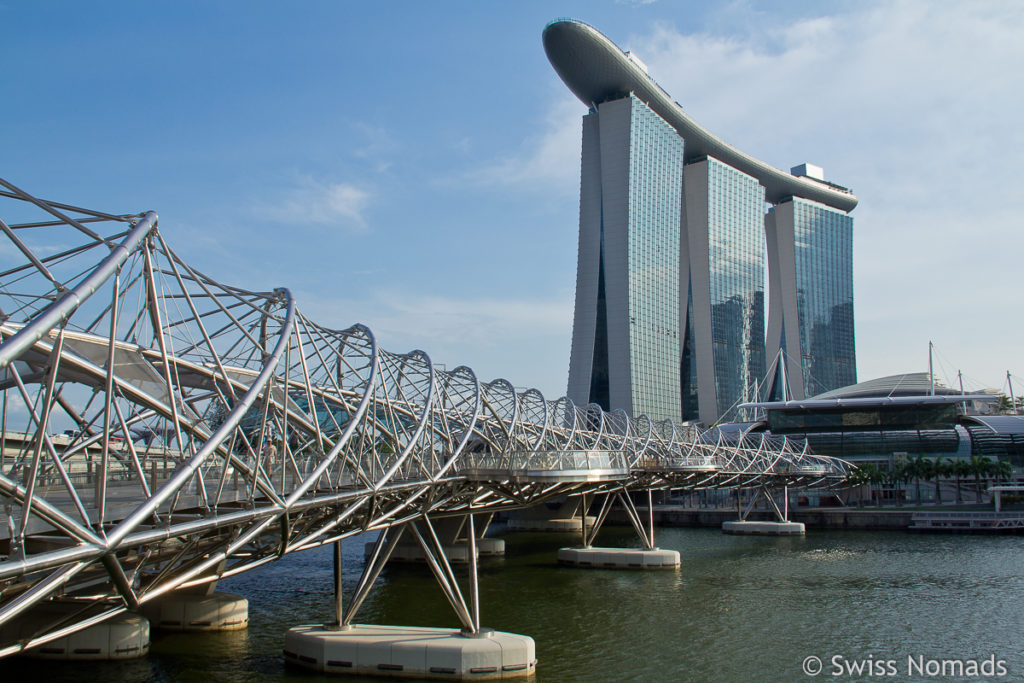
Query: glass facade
x,y
823,251
642,343
871,418
873,432
655,200
736,260
735,269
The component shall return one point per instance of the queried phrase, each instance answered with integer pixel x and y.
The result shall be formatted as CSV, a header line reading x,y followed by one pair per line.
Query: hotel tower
x,y
676,248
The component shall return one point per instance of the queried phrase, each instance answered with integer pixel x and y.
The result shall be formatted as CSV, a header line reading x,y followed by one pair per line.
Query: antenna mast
x,y
1013,401
931,371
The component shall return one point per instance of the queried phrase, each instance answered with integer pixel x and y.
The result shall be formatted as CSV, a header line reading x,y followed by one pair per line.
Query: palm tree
x,y
978,466
1003,470
855,478
928,473
866,474
872,477
896,475
961,468
881,477
941,467
917,468
906,473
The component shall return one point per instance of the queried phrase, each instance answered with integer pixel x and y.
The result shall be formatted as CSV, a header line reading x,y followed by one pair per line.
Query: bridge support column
x,y
187,611
544,517
124,636
473,652
781,527
198,608
452,531
648,557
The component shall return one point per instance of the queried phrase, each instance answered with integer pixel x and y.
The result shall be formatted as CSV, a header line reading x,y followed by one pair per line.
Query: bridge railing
x,y
696,462
545,461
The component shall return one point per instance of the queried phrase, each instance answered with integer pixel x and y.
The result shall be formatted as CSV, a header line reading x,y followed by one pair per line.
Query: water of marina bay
x,y
740,609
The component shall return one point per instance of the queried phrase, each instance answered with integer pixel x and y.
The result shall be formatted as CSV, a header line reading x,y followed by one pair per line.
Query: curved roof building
x,y
670,316
596,70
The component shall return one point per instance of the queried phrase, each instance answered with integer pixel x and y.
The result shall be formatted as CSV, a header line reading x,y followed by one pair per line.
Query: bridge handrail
x,y
926,515
553,461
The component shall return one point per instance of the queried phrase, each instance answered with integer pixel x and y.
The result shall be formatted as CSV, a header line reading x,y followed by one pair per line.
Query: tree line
x,y
917,469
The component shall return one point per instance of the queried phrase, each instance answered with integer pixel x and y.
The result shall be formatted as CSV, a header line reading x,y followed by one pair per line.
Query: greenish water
x,y
740,609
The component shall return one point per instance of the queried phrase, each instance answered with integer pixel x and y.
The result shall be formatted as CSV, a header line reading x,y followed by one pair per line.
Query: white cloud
x,y
379,148
314,202
550,160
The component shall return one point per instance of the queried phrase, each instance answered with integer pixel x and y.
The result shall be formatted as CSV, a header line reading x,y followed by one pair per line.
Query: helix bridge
x,y
162,430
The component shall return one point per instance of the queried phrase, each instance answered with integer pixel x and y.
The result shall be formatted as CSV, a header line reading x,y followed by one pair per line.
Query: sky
x,y
415,166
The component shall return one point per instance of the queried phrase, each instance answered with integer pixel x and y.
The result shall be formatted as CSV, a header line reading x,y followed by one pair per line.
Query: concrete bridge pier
x,y
472,652
119,636
194,611
52,629
781,527
648,557
559,515
198,608
452,532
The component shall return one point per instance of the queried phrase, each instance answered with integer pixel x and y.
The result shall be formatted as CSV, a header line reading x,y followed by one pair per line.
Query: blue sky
x,y
415,166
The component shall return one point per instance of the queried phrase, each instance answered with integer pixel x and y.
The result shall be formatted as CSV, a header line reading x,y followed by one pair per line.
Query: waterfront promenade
x,y
968,518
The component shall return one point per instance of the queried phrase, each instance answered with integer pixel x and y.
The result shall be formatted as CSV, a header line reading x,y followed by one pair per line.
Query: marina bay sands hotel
x,y
674,234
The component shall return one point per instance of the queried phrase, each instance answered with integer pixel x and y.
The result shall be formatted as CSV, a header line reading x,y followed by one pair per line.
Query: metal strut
x,y
339,612
382,549
434,553
781,513
750,504
645,534
644,529
589,536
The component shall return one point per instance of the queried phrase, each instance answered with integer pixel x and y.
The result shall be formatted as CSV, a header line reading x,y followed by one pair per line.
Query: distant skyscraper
x,y
670,300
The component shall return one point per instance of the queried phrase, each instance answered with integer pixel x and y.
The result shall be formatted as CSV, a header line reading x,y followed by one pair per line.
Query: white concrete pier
x,y
747,527
411,651
124,636
189,612
619,558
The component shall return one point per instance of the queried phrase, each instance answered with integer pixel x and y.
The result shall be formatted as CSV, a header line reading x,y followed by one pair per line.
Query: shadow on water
x,y
741,608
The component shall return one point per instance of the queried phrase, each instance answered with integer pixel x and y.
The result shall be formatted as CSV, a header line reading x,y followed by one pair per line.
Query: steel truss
x,y
160,429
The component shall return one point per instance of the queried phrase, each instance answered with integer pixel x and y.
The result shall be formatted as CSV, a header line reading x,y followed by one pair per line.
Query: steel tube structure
x,y
162,429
